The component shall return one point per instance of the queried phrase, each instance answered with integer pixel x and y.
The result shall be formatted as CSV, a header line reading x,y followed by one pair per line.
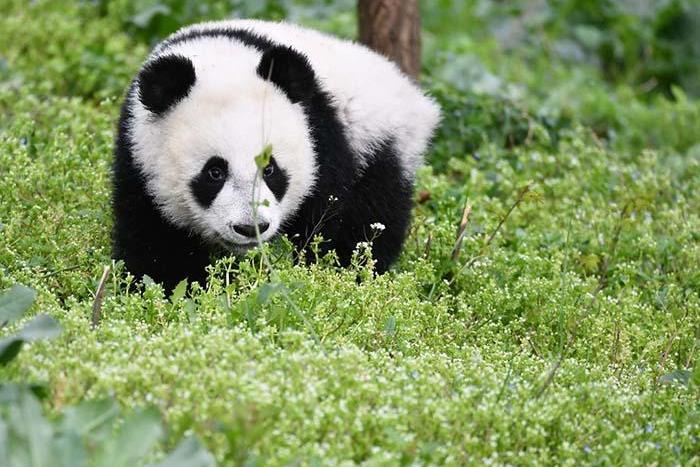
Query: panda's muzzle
x,y
248,230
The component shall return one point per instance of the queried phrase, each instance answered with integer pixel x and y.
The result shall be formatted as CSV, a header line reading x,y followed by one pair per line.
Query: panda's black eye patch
x,y
216,173
268,171
209,181
276,179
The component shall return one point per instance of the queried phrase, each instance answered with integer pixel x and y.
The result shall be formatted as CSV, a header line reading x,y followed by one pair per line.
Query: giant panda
x,y
346,128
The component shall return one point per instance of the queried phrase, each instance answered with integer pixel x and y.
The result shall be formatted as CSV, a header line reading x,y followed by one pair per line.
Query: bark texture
x,y
392,28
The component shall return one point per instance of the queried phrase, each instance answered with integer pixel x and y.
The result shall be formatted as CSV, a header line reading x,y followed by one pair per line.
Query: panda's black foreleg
x,y
377,208
164,253
146,242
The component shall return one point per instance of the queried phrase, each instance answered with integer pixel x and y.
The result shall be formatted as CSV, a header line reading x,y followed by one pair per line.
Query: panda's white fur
x,y
232,112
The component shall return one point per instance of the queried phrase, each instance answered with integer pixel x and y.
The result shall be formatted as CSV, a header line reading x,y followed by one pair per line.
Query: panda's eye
x,y
268,170
216,173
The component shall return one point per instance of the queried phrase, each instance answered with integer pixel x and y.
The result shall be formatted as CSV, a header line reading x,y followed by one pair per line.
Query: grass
x,y
566,330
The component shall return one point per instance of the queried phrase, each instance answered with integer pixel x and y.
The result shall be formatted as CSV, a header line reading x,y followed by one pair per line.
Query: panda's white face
x,y
200,159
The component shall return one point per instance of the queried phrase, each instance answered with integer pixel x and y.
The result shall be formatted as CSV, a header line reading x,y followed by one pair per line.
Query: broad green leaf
x,y
268,290
9,348
144,18
92,418
136,437
179,291
4,459
31,432
189,453
390,326
68,450
41,327
190,310
678,376
10,392
14,302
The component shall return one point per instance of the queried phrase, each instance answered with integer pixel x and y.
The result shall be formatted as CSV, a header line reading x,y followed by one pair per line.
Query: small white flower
x,y
378,226
332,199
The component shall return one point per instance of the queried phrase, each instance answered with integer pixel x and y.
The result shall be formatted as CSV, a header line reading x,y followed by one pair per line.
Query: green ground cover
x,y
565,329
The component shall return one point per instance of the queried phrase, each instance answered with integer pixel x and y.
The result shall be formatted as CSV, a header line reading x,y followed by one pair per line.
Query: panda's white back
x,y
375,100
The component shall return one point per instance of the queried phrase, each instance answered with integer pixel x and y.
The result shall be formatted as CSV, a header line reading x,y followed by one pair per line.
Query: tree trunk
x,y
392,28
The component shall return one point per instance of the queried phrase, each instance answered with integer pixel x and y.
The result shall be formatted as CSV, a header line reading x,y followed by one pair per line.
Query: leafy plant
x,y
13,304
87,434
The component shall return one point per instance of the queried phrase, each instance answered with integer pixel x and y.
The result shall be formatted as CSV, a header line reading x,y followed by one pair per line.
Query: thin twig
x,y
506,380
99,296
482,252
550,376
667,350
428,245
519,199
462,231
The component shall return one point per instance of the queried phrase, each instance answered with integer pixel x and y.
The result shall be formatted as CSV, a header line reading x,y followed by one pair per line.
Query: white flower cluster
x,y
378,226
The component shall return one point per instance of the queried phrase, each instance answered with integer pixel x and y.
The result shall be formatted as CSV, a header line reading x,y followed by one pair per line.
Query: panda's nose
x,y
248,230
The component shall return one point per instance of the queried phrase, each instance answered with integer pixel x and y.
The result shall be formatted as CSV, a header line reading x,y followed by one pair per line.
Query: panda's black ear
x,y
165,81
290,71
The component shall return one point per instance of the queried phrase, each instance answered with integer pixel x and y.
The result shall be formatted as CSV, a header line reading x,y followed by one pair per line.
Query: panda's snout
x,y
248,230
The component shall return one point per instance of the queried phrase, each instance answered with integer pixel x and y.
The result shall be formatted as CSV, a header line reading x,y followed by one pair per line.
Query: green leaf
x,y
190,310
10,392
390,326
68,450
590,36
4,454
9,348
268,290
189,453
144,18
14,302
136,437
263,159
92,418
32,433
41,327
678,376
179,291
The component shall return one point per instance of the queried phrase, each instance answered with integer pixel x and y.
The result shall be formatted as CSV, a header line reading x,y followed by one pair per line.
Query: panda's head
x,y
200,118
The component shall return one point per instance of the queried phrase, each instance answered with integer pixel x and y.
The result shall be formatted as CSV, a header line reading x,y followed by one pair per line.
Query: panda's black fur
x,y
345,200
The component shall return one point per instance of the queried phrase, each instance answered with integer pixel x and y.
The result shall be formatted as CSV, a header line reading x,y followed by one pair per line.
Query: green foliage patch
x,y
84,434
546,309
